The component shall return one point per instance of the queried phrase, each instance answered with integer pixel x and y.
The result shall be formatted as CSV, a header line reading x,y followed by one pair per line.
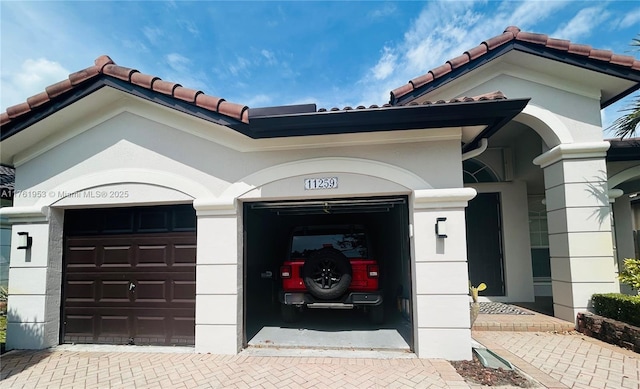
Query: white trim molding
x,y
443,198
563,151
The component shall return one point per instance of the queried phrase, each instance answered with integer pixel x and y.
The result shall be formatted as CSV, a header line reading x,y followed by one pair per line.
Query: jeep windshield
x,y
352,245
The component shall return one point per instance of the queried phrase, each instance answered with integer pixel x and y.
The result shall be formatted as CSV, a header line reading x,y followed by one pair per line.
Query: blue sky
x,y
274,53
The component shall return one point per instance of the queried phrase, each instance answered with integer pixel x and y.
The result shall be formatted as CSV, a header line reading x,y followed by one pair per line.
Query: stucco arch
x,y
359,166
104,178
625,175
544,122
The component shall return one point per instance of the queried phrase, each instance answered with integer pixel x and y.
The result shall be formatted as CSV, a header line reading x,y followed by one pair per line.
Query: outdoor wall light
x,y
441,227
24,241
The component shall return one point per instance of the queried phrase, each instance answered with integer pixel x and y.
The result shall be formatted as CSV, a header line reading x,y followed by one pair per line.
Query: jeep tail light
x,y
285,271
372,270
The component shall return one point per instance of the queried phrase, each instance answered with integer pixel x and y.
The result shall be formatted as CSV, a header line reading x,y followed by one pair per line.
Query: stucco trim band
x,y
572,151
443,198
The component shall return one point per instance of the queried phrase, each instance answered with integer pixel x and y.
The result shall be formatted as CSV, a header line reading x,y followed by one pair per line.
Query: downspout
x,y
484,143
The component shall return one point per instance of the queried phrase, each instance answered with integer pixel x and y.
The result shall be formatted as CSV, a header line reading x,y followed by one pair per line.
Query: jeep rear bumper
x,y
348,301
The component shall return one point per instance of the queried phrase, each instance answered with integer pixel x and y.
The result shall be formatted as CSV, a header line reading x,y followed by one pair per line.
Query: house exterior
x,y
153,210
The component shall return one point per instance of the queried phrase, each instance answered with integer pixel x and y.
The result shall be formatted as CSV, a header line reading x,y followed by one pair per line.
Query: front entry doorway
x,y
484,243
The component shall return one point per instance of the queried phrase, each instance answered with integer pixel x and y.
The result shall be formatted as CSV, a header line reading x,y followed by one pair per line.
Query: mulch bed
x,y
475,373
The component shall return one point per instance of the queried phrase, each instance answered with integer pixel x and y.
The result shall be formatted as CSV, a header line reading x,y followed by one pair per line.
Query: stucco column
x,y
217,278
35,278
579,220
441,300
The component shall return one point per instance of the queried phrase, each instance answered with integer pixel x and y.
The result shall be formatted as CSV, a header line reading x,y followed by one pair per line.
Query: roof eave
x,y
492,113
533,49
94,84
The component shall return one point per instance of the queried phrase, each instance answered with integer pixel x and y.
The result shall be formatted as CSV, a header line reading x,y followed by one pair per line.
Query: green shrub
x,y
631,273
618,306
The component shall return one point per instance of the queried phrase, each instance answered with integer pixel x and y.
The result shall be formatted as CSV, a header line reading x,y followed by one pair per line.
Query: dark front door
x,y
135,288
484,243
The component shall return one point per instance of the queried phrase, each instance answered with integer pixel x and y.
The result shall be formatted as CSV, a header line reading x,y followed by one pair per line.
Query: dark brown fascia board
x,y
624,150
538,50
94,84
492,113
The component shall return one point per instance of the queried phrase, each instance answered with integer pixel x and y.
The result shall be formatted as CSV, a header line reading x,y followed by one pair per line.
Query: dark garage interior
x,y
267,229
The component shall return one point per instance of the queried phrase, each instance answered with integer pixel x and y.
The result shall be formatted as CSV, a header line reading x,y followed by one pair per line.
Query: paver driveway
x,y
573,359
62,369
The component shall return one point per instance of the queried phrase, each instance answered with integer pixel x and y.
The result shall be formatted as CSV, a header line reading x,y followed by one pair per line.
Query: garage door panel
x,y
82,256
184,254
114,325
151,326
153,255
183,327
79,324
151,292
183,291
113,291
101,308
117,256
81,291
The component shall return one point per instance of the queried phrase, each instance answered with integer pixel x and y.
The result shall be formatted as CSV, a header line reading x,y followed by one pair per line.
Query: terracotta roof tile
x,y
143,80
510,34
83,75
105,65
37,100
580,49
440,70
477,51
558,44
164,87
119,72
208,102
58,88
4,118
18,110
602,55
499,40
186,94
459,61
424,79
623,60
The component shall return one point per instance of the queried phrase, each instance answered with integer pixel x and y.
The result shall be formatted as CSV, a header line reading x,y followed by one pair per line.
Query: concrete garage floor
x,y
334,329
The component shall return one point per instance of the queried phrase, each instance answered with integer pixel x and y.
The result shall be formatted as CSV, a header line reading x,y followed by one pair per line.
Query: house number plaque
x,y
320,183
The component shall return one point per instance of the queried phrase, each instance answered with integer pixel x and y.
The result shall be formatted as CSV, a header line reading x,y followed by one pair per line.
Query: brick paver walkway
x,y
69,369
555,360
575,360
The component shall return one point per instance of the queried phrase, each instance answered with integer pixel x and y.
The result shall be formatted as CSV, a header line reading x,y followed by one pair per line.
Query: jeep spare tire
x,y
327,273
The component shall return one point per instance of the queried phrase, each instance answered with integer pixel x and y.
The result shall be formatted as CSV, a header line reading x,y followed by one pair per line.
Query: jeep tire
x,y
327,274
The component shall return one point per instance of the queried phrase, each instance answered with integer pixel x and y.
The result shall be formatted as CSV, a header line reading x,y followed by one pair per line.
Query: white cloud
x,y
583,24
260,100
269,56
152,34
444,30
386,10
32,78
178,63
241,66
386,65
630,19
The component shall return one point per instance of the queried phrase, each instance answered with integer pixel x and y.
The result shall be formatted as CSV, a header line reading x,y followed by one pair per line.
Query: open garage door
x,y
129,276
268,230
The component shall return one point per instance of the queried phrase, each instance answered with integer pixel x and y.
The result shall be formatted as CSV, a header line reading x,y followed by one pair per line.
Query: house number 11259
x,y
320,183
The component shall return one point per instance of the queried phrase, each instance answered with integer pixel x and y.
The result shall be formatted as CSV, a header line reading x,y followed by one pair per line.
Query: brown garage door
x,y
135,288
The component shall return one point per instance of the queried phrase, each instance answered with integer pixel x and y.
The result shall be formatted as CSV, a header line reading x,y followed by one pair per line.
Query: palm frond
x,y
627,124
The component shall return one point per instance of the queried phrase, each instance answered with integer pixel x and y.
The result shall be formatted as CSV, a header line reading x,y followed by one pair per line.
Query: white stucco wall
x,y
131,160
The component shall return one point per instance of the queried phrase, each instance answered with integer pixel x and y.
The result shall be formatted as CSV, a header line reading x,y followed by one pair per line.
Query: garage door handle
x,y
132,286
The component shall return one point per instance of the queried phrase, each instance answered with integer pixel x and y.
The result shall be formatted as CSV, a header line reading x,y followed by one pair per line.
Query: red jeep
x,y
330,267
